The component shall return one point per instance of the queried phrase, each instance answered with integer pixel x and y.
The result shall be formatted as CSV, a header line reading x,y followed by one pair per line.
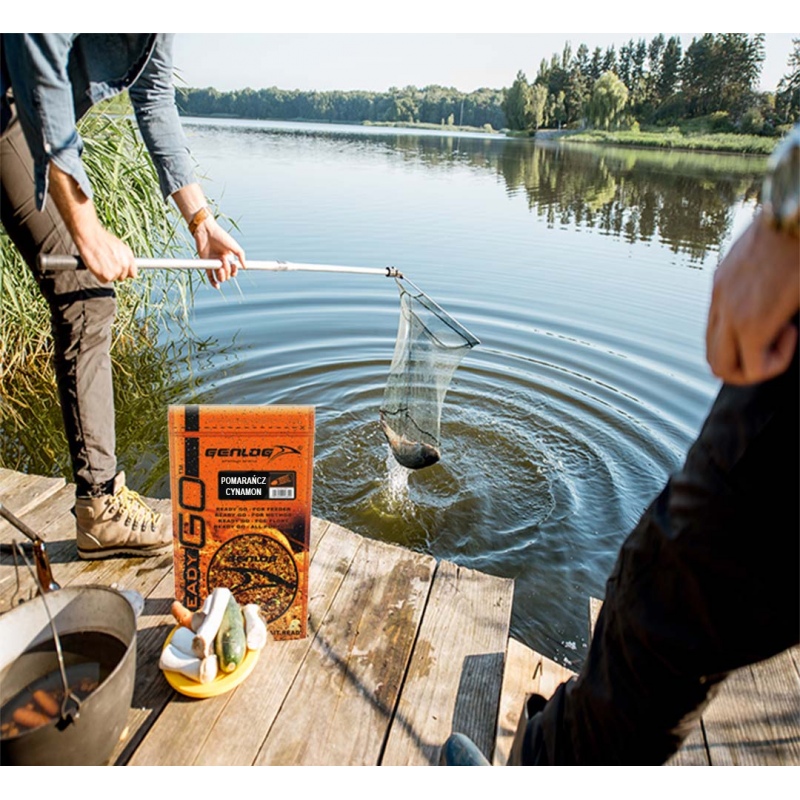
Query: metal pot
x,y
87,734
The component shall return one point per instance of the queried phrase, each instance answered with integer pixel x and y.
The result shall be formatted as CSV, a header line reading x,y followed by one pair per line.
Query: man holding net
x,y
48,82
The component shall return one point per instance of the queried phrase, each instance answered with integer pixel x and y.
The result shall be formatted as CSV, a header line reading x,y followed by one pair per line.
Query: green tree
x,y
596,65
581,62
787,97
610,59
654,52
609,98
517,104
720,72
624,63
538,106
667,81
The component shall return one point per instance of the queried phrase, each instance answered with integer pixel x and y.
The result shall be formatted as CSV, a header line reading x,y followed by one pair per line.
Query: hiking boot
x,y
120,524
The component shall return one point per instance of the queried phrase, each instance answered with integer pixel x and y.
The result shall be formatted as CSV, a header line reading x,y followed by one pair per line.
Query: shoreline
x,y
668,140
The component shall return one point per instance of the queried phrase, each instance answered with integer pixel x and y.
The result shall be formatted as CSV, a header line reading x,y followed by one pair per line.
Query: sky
x,y
377,61
374,45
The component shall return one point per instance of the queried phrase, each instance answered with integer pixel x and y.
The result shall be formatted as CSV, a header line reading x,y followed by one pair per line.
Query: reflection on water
x,y
584,272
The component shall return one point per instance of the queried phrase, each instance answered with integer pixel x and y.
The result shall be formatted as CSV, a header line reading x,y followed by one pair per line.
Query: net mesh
x,y
430,345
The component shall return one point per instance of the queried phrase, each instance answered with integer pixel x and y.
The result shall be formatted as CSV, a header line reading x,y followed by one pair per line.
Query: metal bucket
x,y
89,735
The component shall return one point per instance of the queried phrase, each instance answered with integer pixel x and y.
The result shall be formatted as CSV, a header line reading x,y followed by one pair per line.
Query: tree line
x,y
432,105
657,83
650,83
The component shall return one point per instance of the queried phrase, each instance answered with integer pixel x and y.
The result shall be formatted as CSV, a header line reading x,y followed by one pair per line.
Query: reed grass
x,y
129,204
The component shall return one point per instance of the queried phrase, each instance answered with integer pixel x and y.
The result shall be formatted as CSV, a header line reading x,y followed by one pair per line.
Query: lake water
x,y
585,273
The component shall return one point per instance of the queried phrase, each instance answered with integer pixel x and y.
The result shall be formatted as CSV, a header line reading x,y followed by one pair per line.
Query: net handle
x,y
49,262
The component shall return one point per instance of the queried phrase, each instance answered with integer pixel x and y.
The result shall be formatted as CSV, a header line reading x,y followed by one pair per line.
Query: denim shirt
x,y
56,77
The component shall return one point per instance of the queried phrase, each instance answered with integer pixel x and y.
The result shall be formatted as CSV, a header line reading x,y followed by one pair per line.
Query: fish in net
x,y
430,345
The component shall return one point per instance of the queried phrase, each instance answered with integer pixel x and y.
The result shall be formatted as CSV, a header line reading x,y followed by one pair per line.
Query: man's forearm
x,y
76,209
102,252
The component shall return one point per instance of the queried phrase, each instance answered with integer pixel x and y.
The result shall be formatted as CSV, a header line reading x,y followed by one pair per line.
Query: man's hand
x,y
750,336
210,239
107,257
214,242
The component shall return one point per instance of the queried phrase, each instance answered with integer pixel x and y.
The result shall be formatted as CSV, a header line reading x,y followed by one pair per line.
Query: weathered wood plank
x,y
69,569
779,687
694,750
594,612
735,727
527,672
339,708
151,691
63,555
23,493
456,671
755,717
41,516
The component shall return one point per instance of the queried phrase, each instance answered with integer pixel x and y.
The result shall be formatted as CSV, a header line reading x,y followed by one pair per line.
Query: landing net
x,y
430,345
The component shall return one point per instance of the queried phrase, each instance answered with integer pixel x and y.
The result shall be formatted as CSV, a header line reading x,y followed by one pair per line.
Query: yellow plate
x,y
224,682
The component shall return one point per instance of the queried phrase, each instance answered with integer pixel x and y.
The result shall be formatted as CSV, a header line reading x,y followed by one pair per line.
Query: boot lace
x,y
136,511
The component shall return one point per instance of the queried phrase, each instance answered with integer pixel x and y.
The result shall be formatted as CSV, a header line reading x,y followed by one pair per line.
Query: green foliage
x,y
716,75
538,106
609,98
517,104
720,71
429,105
787,97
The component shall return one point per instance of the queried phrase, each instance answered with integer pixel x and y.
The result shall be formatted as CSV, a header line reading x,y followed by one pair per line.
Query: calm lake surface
x,y
585,273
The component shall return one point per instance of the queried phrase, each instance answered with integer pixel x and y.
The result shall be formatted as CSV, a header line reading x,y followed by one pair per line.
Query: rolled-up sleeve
x,y
37,67
153,99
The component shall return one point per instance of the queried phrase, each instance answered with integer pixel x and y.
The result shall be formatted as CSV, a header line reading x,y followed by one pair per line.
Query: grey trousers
x,y
82,311
707,582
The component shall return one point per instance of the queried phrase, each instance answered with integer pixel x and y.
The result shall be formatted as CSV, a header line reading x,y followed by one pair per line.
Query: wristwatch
x,y
781,189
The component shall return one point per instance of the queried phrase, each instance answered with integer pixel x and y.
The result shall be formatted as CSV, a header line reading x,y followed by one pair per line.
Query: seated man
x,y
708,580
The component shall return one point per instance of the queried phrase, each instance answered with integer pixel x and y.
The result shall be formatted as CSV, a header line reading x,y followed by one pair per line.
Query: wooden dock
x,y
402,650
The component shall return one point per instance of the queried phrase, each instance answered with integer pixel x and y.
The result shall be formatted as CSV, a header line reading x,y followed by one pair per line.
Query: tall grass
x,y
129,203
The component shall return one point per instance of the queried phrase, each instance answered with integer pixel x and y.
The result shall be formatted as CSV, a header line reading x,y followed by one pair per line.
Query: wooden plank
x,y
23,493
41,516
68,569
594,612
755,716
7,476
151,692
456,671
63,555
694,750
779,687
527,672
339,708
